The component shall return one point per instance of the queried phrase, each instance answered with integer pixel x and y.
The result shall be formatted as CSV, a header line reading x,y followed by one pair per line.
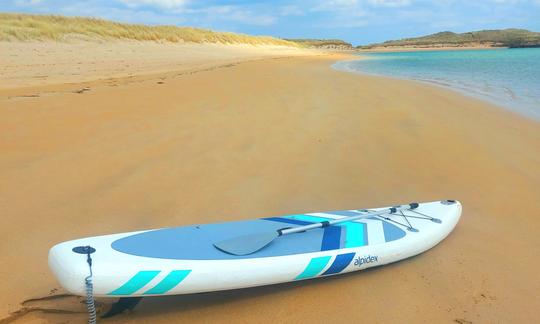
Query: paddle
x,y
248,244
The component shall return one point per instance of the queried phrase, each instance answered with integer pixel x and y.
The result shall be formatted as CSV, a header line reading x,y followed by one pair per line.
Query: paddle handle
x,y
390,210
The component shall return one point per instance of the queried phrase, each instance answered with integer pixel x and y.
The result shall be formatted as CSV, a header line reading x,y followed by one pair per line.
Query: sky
x,y
357,21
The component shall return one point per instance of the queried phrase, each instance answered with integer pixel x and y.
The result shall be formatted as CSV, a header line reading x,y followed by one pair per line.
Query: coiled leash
x,y
90,304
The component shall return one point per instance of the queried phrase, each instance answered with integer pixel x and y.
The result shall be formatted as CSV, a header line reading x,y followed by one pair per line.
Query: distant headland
x,y
513,38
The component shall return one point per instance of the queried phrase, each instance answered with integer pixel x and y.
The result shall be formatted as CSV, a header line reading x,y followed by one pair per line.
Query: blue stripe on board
x,y
340,263
287,220
331,238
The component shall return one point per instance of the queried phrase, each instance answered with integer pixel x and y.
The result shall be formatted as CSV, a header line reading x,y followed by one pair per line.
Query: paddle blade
x,y
247,244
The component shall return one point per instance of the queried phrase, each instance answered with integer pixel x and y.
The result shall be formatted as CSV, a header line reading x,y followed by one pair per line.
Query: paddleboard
x,y
183,260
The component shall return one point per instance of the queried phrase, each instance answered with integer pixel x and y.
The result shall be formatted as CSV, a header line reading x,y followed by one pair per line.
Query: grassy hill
x,y
492,38
323,43
23,27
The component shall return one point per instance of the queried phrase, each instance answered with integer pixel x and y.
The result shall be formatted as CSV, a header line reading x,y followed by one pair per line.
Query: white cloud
x,y
167,4
390,3
335,5
236,14
127,15
24,3
446,24
292,11
506,1
418,15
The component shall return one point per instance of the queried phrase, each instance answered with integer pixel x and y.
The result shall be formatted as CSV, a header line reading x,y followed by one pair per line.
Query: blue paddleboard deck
x,y
196,242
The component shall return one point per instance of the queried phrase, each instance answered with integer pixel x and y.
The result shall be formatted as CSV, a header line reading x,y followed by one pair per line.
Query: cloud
x,y
360,21
167,4
336,5
23,3
389,3
292,10
506,1
235,14
445,24
127,15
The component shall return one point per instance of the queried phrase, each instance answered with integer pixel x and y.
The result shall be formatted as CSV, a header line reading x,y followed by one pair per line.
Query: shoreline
x,y
516,109
428,49
262,138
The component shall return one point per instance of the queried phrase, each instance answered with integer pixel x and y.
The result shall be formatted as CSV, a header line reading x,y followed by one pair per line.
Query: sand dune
x,y
261,138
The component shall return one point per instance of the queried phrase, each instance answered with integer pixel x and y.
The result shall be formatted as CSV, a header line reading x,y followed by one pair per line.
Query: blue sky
x,y
356,21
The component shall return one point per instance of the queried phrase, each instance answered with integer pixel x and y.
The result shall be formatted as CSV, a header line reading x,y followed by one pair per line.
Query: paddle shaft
x,y
248,244
345,219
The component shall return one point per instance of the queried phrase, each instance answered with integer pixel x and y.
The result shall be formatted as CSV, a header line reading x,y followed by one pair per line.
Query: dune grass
x,y
23,27
308,42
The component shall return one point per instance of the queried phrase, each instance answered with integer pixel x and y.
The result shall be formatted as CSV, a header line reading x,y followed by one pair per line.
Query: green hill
x,y
491,38
322,43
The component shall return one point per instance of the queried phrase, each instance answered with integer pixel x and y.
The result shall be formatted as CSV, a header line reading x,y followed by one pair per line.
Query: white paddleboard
x,y
183,260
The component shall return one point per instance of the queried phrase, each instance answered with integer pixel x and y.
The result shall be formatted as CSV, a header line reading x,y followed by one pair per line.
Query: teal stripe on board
x,y
169,282
355,234
315,266
136,282
355,231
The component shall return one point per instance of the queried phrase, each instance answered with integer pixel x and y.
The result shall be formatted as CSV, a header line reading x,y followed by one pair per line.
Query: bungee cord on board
x,y
406,217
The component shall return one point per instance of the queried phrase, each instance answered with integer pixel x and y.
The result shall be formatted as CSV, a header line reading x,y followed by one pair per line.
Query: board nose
x,y
69,268
454,208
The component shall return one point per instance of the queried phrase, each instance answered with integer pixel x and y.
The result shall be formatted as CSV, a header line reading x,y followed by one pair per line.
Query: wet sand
x,y
263,138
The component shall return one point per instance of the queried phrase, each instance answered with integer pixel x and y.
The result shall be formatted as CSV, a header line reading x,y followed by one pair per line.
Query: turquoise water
x,y
507,77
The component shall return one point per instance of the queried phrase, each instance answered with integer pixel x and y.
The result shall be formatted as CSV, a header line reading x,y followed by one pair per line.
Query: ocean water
x,y
507,77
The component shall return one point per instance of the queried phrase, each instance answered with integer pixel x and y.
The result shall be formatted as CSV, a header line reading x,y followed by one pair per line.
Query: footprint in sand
x,y
462,321
82,90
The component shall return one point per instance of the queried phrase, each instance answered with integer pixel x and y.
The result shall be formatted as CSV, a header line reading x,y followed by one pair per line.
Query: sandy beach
x,y
38,63
253,133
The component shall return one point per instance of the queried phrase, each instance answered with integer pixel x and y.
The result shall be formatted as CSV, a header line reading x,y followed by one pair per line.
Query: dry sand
x,y
25,64
264,138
